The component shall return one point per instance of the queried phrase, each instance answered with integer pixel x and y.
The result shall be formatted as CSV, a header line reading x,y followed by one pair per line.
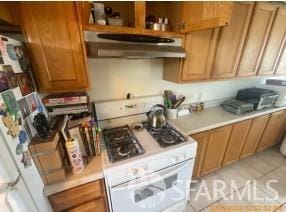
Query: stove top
x,y
165,136
121,143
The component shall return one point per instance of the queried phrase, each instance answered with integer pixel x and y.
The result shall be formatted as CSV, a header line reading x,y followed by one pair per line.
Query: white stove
x,y
158,178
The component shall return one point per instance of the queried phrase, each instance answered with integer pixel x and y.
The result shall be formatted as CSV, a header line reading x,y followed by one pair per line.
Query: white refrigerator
x,y
21,187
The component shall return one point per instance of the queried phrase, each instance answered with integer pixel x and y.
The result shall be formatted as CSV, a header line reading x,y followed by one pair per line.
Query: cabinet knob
x,y
133,173
183,25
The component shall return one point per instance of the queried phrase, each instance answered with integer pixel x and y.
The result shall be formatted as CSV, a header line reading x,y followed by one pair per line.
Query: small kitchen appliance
x,y
280,89
261,98
140,174
237,107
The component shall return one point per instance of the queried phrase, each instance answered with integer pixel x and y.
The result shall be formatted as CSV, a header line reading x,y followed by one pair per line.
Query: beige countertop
x,y
93,171
207,119
215,117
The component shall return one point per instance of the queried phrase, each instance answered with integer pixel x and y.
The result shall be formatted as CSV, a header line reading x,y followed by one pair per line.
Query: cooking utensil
x,y
157,116
179,102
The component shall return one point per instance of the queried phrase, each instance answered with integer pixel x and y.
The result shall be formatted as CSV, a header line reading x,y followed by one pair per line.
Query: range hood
x,y
112,45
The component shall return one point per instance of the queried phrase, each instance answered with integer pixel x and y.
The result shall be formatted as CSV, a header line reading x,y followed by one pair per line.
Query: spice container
x,y
74,154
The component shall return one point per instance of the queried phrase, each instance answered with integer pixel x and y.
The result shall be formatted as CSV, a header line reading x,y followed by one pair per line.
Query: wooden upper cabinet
x,y
281,66
275,44
270,134
193,16
236,141
253,137
6,13
202,140
256,39
231,39
56,45
216,148
200,48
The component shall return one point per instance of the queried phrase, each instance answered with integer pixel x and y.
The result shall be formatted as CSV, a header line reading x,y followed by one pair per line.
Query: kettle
x,y
157,116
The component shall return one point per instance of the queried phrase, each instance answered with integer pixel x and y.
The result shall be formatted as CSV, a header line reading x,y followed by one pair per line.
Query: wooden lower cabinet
x,y
218,141
225,145
236,141
202,140
282,130
95,205
270,134
255,132
87,197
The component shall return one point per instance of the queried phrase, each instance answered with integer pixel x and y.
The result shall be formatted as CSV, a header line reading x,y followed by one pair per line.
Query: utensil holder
x,y
172,113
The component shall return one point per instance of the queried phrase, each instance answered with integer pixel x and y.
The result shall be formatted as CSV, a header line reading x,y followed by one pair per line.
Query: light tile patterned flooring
x,y
252,172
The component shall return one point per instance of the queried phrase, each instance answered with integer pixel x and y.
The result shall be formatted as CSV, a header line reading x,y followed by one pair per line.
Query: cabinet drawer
x,y
77,196
96,205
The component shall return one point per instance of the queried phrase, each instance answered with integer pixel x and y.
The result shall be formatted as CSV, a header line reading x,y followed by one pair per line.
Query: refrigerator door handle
x,y
7,186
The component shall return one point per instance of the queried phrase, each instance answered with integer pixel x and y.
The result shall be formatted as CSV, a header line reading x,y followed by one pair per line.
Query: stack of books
x,y
66,103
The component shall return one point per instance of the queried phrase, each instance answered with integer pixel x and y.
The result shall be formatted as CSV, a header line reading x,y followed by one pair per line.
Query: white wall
x,y
114,78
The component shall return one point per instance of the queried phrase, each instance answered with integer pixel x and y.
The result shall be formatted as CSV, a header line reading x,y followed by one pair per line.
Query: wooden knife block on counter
x,y
49,157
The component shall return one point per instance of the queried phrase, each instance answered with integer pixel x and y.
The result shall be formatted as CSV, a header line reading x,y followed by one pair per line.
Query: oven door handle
x,y
155,176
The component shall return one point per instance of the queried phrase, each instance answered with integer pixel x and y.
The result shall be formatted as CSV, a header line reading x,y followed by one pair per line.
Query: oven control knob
x,y
181,157
174,159
133,173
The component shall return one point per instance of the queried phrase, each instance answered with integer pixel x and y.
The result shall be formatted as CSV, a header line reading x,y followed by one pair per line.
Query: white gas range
x,y
156,179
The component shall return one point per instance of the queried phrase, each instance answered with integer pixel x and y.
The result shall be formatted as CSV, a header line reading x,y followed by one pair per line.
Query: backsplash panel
x,y
114,78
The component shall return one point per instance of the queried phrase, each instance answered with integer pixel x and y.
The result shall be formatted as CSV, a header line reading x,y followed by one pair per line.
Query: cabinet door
x,y
6,13
274,44
281,66
282,128
97,205
74,197
202,140
200,48
216,148
204,15
56,45
236,141
231,39
256,38
269,137
254,135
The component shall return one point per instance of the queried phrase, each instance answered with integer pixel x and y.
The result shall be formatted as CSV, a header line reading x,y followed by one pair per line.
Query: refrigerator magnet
x,y
11,76
25,83
26,159
3,110
24,107
10,101
3,80
32,102
13,127
19,149
22,136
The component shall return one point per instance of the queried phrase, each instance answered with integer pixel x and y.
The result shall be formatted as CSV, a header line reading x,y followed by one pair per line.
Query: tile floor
x,y
245,187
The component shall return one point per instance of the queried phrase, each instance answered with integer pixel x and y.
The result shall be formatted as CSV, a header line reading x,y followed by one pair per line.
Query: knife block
x,y
49,157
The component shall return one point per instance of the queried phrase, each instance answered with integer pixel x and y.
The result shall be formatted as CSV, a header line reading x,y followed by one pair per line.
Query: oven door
x,y
154,192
